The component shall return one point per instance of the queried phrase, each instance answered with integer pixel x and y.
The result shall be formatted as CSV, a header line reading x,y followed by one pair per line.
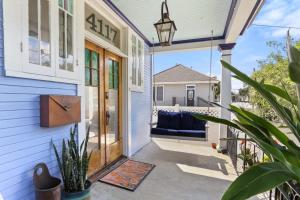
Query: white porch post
x,y
225,98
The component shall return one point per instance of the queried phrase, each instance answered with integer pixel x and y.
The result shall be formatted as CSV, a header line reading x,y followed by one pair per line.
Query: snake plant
x,y
285,158
73,162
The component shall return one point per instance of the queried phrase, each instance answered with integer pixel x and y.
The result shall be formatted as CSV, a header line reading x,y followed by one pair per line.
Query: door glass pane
x,y
116,75
111,74
95,60
92,116
62,48
140,63
134,59
113,126
87,76
190,94
34,43
61,3
87,57
70,43
71,5
95,79
45,33
66,5
87,67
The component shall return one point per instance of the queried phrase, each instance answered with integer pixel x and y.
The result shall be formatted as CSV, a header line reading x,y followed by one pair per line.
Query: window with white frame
x,y
39,32
158,93
137,63
40,39
66,56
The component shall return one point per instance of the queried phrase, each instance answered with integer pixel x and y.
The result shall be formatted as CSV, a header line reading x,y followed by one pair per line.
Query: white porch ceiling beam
x,y
194,45
244,13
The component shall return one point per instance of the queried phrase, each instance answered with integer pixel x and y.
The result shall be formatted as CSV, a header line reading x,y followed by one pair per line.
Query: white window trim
x,y
135,87
155,93
186,87
16,51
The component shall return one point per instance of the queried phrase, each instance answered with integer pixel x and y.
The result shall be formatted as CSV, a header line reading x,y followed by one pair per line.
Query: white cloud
x,y
280,13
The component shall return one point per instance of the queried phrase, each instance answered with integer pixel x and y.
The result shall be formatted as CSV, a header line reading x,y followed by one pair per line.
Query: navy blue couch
x,y
179,124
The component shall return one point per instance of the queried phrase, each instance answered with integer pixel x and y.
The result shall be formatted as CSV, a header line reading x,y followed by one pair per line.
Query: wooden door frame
x,y
119,143
103,84
91,46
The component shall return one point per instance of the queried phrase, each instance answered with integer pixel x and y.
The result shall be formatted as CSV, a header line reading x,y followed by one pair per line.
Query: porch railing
x,y
212,111
239,140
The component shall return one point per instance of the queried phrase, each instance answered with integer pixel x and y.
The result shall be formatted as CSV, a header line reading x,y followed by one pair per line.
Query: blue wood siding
x,y
23,143
141,110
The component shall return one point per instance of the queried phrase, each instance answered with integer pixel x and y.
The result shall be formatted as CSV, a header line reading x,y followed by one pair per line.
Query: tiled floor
x,y
184,171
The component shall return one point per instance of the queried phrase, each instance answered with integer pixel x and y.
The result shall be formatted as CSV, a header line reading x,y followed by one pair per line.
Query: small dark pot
x,y
214,145
82,195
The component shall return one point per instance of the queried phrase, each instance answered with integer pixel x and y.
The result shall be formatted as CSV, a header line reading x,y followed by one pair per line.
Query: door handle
x,y
107,117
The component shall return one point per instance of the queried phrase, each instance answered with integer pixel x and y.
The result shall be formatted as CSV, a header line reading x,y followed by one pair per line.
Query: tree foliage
x,y
273,71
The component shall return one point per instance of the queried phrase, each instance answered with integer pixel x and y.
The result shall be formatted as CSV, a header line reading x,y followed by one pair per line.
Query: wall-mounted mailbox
x,y
57,110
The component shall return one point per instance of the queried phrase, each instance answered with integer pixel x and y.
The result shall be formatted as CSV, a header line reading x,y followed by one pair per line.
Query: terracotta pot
x,y
214,145
82,195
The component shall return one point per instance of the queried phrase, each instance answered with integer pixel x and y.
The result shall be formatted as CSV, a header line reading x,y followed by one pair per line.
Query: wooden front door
x,y
102,105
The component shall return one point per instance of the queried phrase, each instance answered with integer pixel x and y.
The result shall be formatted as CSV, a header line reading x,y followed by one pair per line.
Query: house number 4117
x,y
102,29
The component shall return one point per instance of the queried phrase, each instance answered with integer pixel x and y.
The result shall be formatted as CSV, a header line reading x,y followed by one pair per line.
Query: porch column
x,y
225,96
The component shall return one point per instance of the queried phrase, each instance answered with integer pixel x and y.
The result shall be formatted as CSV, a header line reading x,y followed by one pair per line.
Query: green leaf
x,y
295,54
279,135
58,160
267,95
294,71
281,93
259,178
216,120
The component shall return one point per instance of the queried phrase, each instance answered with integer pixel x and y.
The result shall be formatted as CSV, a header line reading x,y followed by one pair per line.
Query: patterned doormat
x,y
129,175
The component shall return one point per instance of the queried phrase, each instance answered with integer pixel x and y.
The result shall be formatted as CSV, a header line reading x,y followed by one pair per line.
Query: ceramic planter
x,y
82,195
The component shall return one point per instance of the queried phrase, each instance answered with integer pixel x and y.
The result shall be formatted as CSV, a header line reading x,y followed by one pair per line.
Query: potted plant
x,y
247,156
283,152
73,164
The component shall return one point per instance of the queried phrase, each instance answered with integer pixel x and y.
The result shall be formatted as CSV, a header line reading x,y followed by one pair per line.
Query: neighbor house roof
x,y
182,74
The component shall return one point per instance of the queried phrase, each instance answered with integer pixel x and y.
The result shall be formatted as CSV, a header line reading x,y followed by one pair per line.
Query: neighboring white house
x,y
184,86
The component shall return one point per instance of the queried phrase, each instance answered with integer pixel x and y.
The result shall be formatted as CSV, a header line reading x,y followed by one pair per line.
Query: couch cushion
x,y
163,131
199,124
169,120
163,119
186,121
191,133
174,120
182,133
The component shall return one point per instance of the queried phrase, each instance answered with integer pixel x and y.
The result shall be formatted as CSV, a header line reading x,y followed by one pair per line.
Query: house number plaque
x,y
98,25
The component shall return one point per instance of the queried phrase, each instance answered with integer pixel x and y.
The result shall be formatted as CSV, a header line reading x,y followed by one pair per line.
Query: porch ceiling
x,y
194,18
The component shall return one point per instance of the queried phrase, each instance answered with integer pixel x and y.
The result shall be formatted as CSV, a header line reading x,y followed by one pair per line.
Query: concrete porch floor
x,y
184,170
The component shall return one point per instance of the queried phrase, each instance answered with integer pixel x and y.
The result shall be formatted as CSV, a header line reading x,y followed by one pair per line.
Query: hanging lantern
x,y
165,27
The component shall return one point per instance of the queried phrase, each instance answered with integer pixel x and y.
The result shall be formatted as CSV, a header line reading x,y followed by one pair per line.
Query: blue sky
x,y
249,48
